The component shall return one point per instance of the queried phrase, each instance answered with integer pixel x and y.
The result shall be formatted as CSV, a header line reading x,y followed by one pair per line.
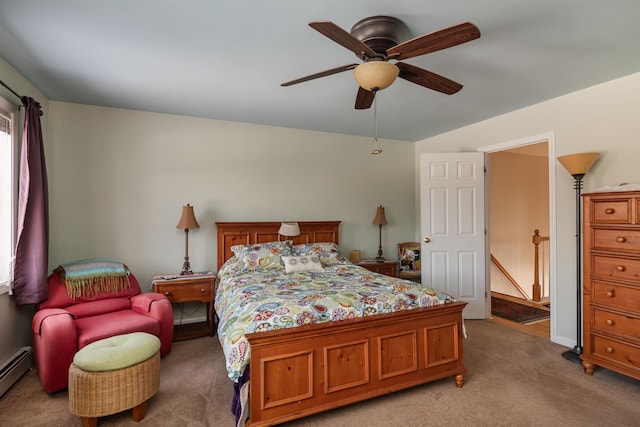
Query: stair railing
x,y
508,276
537,239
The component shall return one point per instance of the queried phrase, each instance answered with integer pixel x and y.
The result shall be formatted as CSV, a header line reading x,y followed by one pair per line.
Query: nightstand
x,y
196,287
388,267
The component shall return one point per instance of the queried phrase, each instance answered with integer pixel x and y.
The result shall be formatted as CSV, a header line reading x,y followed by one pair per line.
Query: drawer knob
x,y
610,322
167,293
608,349
202,290
609,211
611,293
621,239
621,268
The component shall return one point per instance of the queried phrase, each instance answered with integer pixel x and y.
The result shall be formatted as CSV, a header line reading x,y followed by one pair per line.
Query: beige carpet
x,y
514,379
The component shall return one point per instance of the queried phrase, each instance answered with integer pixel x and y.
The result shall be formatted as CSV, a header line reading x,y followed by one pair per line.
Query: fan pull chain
x,y
375,150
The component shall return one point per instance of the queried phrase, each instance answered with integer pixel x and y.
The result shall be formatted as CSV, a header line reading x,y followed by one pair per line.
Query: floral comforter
x,y
269,299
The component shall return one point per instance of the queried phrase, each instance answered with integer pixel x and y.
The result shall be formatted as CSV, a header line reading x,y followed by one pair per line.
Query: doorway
x,y
519,209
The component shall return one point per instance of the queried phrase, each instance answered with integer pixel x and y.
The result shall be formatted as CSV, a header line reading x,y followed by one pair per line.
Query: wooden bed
x,y
310,369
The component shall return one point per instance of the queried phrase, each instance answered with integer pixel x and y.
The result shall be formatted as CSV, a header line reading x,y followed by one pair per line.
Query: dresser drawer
x,y
611,211
615,323
615,351
616,268
616,296
186,292
616,239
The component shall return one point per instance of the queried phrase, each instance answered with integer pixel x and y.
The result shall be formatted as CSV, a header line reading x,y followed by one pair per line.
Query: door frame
x,y
550,138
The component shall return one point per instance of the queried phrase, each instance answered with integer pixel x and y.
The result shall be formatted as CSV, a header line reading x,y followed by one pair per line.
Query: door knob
x,y
426,240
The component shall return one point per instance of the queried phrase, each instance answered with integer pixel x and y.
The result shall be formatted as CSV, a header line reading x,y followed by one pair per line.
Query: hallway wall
x,y
519,204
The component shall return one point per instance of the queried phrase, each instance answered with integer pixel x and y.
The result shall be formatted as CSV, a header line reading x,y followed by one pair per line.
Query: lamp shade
x,y
380,219
188,219
375,75
578,164
289,229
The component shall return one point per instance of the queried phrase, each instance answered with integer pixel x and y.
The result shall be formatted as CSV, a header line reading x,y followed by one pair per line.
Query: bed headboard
x,y
246,233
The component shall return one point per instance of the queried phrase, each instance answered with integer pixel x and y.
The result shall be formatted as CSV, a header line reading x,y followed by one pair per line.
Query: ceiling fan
x,y
376,41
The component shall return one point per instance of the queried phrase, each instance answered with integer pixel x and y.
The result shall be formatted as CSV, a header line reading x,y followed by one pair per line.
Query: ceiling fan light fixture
x,y
375,75
376,151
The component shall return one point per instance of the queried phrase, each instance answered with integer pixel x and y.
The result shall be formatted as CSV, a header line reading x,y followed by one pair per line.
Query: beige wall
x,y
602,118
119,179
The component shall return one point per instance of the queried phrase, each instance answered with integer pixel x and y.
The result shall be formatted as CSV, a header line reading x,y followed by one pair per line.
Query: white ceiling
x,y
226,59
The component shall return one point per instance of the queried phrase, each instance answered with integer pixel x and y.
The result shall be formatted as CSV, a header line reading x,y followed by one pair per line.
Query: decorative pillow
x,y
302,263
329,252
262,255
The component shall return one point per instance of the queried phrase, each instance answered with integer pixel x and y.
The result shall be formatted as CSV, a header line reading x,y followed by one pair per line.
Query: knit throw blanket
x,y
91,277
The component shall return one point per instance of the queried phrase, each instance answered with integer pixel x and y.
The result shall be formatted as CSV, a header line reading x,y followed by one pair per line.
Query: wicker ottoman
x,y
113,375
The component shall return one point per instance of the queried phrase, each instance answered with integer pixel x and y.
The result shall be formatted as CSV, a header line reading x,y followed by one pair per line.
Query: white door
x,y
452,216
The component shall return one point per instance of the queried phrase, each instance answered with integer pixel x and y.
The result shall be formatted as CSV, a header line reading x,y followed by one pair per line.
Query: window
x,y
8,192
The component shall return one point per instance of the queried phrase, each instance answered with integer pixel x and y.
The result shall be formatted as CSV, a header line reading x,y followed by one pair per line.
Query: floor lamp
x,y
578,165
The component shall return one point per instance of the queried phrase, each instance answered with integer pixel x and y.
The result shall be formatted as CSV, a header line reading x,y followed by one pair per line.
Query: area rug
x,y
517,312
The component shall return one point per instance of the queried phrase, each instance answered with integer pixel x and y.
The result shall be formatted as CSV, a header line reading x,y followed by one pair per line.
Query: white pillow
x,y
302,263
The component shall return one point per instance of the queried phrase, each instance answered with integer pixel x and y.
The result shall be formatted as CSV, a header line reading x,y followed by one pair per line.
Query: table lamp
x,y
187,222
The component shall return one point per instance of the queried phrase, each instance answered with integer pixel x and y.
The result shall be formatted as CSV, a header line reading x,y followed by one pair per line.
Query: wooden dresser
x,y
611,291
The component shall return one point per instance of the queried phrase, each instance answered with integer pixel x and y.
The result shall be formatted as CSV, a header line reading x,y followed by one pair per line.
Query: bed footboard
x,y
310,369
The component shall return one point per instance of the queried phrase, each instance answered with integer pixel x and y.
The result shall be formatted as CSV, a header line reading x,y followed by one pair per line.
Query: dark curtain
x,y
32,248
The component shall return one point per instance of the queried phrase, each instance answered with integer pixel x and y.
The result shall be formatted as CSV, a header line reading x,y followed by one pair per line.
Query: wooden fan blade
x,y
427,79
343,38
435,41
364,99
321,74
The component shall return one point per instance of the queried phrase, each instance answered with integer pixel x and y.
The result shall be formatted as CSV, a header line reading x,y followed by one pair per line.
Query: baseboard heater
x,y
14,368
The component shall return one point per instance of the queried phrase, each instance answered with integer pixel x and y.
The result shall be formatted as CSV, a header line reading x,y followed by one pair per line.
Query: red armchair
x,y
61,325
